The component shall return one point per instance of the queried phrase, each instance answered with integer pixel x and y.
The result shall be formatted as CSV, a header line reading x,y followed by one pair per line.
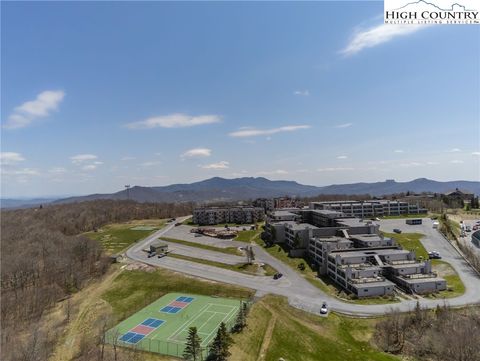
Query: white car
x,y
324,309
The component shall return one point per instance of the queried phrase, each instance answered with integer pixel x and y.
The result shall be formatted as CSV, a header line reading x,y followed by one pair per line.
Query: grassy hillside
x,y
114,238
276,330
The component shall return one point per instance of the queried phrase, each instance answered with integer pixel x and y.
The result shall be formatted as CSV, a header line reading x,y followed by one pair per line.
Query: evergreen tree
x,y
241,320
221,344
193,349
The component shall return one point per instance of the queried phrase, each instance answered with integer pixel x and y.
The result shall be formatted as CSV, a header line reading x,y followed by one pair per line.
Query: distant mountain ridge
x,y
221,189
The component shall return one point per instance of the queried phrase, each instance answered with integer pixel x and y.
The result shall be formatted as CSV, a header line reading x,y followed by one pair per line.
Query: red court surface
x,y
179,304
144,330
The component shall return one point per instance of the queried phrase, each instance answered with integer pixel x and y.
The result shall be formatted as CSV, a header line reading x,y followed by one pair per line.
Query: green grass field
x,y
410,241
228,250
156,329
114,238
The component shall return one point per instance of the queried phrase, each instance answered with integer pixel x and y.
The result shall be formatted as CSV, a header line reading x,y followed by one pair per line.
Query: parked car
x,y
468,229
396,230
161,255
276,276
324,309
151,254
434,255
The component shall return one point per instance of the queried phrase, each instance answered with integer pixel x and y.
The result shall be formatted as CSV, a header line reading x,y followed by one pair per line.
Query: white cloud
x,y
45,102
127,158
411,164
80,158
89,167
196,153
150,163
368,38
334,169
20,172
57,170
475,153
253,132
455,150
177,120
344,125
398,151
342,157
216,166
456,161
432,163
304,93
10,158
273,172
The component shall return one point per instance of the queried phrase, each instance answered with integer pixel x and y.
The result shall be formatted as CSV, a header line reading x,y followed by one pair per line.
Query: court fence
x,y
164,347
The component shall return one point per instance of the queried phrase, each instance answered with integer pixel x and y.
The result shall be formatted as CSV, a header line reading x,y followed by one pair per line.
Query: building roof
x,y
159,244
421,280
300,226
369,252
372,284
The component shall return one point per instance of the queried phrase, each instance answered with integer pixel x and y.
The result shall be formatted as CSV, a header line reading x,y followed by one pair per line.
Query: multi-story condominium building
x,y
267,204
352,252
217,215
373,208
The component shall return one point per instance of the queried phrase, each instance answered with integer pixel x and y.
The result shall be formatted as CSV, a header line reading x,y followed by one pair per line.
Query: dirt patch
x,y
267,338
443,270
137,266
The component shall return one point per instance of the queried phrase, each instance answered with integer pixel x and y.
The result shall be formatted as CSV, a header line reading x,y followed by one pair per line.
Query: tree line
x,y
45,259
443,334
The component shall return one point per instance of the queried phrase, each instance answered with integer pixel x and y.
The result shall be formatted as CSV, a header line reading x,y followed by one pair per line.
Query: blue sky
x,y
99,95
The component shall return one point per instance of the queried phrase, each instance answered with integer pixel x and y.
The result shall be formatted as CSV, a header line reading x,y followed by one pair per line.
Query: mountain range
x,y
220,189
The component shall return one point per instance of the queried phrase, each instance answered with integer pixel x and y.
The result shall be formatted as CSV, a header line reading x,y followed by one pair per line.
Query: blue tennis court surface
x,y
152,322
170,309
131,337
176,306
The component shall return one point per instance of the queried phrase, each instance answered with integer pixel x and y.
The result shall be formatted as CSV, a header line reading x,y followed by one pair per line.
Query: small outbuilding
x,y
159,247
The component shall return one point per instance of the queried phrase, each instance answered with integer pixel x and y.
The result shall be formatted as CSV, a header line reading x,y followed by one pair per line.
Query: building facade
x,y
373,208
218,215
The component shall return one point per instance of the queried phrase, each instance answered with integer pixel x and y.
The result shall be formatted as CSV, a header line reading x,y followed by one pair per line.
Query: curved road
x,y
300,293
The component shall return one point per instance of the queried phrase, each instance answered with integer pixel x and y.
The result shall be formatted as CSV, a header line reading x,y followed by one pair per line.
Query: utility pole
x,y
127,187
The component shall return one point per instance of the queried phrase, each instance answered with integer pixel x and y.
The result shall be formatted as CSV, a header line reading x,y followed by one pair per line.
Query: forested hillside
x,y
45,259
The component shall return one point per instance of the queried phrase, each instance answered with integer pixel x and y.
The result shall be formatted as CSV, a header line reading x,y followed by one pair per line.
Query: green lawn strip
x,y
410,241
423,215
246,236
455,286
240,267
247,344
228,250
335,338
324,284
117,237
133,290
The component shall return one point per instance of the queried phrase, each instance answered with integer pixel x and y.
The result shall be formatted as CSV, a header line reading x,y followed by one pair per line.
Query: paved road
x,y
301,293
468,235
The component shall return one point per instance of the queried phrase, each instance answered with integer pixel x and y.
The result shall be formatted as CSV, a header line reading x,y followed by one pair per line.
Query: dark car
x,y
276,276
151,254
396,230
324,309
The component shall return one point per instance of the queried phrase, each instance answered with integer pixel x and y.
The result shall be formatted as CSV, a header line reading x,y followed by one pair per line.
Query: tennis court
x,y
162,326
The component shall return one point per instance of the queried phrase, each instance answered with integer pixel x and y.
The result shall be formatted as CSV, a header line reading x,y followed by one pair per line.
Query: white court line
x,y
182,327
228,316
